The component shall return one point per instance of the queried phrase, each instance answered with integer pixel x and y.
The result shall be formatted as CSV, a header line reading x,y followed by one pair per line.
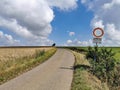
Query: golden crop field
x,y
15,53
15,61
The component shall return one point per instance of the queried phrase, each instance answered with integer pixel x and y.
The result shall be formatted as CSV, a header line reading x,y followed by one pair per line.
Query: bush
x,y
104,65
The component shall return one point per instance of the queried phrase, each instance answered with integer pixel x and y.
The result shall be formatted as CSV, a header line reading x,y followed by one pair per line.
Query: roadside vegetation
x,y
12,67
83,79
103,68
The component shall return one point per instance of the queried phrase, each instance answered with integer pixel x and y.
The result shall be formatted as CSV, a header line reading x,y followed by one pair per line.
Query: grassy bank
x,y
12,68
83,79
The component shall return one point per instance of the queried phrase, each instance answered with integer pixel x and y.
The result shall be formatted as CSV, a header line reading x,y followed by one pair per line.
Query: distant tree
x,y
53,44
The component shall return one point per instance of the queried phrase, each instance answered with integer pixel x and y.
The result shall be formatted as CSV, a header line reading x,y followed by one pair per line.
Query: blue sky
x,y
77,21
64,22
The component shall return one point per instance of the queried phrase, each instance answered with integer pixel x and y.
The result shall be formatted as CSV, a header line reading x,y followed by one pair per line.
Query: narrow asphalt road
x,y
54,74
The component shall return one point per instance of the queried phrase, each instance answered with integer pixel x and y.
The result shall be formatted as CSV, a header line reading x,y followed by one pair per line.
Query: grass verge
x,y
12,69
83,79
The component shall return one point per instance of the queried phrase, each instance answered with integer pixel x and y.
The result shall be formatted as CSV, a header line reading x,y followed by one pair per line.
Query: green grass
x,y
117,52
12,68
83,79
115,49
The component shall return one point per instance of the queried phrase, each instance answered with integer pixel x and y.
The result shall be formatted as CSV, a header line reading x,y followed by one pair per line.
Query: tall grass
x,y
12,68
16,53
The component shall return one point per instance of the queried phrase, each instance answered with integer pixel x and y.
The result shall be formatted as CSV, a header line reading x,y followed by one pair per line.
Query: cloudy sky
x,y
64,22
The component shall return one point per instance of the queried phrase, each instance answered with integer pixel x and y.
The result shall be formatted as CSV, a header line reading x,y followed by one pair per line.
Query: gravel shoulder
x,y
54,74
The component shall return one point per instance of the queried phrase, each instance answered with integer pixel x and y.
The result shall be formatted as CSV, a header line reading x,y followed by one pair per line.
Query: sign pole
x,y
96,43
97,33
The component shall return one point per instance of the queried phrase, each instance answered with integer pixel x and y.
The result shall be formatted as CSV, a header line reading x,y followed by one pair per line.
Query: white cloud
x,y
97,23
31,19
83,1
63,4
111,4
69,41
13,26
71,33
107,14
6,39
34,15
77,42
113,34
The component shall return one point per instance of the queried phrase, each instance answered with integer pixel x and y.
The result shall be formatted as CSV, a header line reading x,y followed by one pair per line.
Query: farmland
x,y
116,50
16,53
15,61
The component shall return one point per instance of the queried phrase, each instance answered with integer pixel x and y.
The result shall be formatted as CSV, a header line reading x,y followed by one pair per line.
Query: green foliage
x,y
104,65
78,49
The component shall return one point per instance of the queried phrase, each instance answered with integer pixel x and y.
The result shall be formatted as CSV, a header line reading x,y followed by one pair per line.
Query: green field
x,y
115,49
117,52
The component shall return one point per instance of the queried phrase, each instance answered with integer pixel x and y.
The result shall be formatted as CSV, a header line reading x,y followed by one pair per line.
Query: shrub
x,y
104,65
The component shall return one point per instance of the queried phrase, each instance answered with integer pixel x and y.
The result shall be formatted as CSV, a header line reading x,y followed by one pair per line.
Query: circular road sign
x,y
98,32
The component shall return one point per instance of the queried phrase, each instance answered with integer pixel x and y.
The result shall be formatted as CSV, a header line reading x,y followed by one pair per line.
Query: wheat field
x,y
15,61
16,53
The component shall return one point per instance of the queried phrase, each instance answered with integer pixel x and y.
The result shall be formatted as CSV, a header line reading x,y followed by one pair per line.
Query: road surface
x,y
54,74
